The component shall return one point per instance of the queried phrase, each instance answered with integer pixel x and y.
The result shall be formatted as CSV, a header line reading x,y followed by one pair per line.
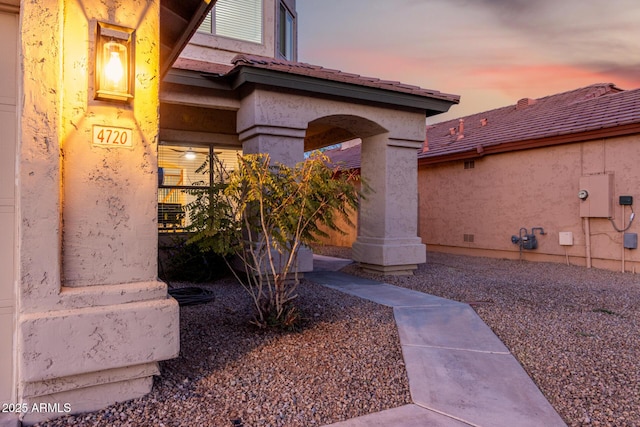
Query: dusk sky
x,y
490,52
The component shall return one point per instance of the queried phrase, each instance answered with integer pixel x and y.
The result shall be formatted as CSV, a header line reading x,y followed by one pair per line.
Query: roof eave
x,y
250,75
195,78
185,28
474,153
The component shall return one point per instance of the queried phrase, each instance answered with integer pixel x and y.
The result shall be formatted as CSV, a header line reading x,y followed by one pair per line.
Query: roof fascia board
x,y
194,78
431,106
474,153
190,28
10,8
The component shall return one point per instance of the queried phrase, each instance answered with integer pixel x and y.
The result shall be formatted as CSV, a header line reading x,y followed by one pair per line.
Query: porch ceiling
x,y
321,135
179,19
197,119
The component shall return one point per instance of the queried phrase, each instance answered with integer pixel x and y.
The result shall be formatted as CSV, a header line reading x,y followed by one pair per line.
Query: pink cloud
x,y
544,79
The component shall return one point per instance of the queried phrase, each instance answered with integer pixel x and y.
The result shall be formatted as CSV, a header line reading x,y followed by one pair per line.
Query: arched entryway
x,y
286,109
387,234
387,238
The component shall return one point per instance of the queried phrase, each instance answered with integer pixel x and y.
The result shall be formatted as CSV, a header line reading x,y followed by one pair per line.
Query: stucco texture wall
x,y
109,204
93,320
531,188
335,238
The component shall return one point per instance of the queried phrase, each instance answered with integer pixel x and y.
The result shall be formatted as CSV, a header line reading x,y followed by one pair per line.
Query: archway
x,y
334,129
387,233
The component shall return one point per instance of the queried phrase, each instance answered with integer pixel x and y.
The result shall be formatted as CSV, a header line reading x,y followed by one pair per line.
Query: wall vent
x,y
469,164
468,238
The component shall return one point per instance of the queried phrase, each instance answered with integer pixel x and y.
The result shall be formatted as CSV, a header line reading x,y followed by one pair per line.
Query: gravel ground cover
x,y
575,330
344,362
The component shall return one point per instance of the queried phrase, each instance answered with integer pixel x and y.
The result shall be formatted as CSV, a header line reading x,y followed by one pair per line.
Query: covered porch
x,y
265,105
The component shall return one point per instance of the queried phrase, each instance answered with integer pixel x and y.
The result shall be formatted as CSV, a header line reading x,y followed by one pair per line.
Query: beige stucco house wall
x,y
490,202
85,319
523,166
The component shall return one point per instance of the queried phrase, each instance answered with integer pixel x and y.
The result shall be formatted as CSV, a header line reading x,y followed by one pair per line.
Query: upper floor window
x,y
237,19
286,32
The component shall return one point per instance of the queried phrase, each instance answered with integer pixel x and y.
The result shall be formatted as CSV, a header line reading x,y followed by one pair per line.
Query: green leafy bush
x,y
260,214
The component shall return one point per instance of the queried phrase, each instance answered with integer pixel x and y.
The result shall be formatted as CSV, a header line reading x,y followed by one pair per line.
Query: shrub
x,y
261,214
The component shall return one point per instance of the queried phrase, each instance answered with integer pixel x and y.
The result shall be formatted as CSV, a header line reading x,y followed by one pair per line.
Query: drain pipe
x,y
587,232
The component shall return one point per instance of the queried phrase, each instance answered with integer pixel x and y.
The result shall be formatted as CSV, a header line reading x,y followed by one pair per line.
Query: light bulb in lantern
x,y
114,69
115,57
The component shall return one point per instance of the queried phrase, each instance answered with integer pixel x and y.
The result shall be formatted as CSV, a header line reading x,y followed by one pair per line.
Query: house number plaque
x,y
111,136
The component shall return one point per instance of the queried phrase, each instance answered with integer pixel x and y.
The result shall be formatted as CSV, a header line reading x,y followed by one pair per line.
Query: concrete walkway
x,y
460,373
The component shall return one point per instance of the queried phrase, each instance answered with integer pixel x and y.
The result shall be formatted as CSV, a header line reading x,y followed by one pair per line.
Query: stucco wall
x,y
92,318
532,188
108,214
336,238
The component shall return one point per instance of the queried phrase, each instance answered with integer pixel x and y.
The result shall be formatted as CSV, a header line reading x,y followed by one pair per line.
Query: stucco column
x,y
284,144
387,234
93,319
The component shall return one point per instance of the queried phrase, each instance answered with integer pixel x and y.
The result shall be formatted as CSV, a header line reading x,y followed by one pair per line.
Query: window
x,y
469,164
182,172
236,19
286,32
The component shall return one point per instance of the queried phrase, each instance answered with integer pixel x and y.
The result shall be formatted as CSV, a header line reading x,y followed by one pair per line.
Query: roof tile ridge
x,y
606,86
251,59
613,91
611,86
473,115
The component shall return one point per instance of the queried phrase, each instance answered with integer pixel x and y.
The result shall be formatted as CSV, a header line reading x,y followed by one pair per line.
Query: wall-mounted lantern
x,y
114,63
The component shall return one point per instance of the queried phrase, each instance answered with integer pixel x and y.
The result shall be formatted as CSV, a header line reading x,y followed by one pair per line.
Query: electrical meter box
x,y
596,196
566,238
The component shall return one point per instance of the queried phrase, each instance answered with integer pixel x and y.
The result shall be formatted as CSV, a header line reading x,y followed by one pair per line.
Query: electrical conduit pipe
x,y
587,235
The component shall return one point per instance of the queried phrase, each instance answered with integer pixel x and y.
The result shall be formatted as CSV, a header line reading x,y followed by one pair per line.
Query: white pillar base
x,y
92,398
399,256
99,347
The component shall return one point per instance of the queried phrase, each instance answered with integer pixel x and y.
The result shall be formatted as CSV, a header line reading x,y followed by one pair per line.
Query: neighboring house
x,y
93,165
497,177
485,177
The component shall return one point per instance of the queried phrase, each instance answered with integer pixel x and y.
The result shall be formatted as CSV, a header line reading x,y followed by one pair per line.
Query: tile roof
x,y
595,107
316,71
202,66
345,158
309,70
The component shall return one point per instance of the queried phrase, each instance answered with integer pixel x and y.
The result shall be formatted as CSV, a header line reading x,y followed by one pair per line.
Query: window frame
x,y
281,31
